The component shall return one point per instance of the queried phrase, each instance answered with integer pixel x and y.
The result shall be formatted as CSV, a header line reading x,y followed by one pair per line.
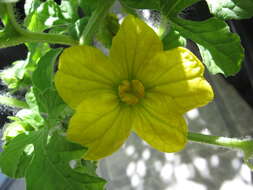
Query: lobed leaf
x,y
13,155
50,167
173,39
49,102
174,7
220,49
142,4
231,9
44,162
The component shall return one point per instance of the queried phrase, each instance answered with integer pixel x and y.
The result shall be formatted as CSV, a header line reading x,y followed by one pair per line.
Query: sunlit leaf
x,y
231,9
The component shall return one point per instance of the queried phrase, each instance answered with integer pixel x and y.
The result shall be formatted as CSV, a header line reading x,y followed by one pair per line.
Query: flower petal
x,y
164,132
100,124
178,76
83,70
133,46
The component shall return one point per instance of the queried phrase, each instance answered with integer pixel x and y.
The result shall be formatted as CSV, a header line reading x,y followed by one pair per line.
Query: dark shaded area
x,y
11,54
7,56
197,12
243,81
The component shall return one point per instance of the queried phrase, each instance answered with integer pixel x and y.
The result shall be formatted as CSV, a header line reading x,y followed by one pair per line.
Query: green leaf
x,y
88,6
44,161
173,39
8,1
2,10
173,7
14,76
220,49
49,102
13,155
45,16
76,29
31,6
231,9
13,102
69,9
108,30
142,4
50,169
36,51
45,70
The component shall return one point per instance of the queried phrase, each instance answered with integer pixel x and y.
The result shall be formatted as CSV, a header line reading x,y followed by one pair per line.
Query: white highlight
x,y
146,13
193,114
205,131
135,180
201,165
130,150
214,160
141,168
158,165
146,154
131,168
236,163
167,171
184,171
235,184
187,184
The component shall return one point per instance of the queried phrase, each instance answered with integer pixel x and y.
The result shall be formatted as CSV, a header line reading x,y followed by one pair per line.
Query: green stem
x,y
94,22
233,143
164,27
13,102
28,37
21,35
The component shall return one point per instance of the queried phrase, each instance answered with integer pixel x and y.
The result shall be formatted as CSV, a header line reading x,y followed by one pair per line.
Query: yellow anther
x,y
131,92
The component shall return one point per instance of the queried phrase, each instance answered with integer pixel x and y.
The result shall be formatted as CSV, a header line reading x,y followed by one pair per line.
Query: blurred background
x,y
200,167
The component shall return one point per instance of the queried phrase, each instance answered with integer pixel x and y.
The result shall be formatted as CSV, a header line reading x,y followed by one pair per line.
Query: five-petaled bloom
x,y
138,87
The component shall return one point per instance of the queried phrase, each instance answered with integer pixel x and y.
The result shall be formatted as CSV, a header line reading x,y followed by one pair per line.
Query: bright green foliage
x,y
8,1
142,4
108,30
13,76
69,9
171,8
231,9
44,162
88,6
45,16
221,50
50,104
173,39
51,162
11,157
76,29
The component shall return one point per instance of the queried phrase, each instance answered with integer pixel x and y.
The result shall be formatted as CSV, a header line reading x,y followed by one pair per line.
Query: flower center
x,y
130,92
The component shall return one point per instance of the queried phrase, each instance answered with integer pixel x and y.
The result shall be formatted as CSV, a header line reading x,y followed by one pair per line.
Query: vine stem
x,y
24,36
245,145
96,18
164,27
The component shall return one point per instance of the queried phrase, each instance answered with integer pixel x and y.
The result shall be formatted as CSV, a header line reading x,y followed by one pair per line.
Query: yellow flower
x,y
138,87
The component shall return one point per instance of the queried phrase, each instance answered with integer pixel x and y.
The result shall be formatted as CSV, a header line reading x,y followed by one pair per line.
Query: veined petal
x,y
178,76
133,46
83,70
100,124
164,132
